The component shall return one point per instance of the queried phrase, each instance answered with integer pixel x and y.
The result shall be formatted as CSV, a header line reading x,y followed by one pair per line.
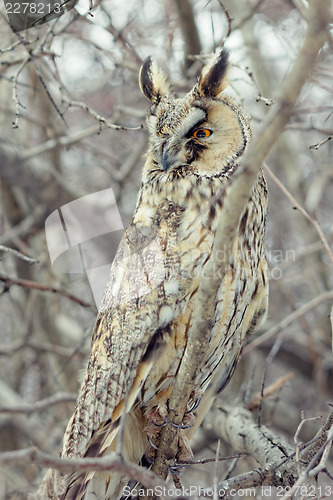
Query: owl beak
x,y
166,160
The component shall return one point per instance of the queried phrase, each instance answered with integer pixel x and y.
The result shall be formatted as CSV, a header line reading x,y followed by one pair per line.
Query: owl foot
x,y
174,470
153,436
157,415
184,453
151,442
189,417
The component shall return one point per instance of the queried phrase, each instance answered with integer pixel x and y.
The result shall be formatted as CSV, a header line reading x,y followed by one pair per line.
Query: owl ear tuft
x,y
153,83
213,78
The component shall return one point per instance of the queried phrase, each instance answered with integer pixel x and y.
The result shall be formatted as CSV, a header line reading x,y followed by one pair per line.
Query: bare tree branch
x,y
189,29
33,285
278,460
40,405
289,319
102,120
111,462
321,143
18,254
43,347
313,221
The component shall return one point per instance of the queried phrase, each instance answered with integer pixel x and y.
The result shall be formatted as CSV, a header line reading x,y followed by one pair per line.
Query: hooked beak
x,y
166,160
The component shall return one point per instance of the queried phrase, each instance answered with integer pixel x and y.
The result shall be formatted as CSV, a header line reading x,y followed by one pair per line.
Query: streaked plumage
x,y
142,327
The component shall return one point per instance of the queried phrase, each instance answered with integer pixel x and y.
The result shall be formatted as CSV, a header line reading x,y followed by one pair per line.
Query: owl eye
x,y
201,133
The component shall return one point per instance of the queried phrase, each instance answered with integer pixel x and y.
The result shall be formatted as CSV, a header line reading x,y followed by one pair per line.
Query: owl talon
x,y
151,442
163,424
178,426
175,473
174,470
195,405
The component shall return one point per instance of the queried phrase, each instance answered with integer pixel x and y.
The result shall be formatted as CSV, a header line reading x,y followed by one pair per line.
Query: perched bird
x,y
144,322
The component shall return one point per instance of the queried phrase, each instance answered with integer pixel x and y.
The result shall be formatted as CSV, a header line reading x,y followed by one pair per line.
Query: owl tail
x,y
105,485
110,485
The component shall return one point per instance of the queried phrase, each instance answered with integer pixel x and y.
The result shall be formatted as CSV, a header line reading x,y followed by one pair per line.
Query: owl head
x,y
203,133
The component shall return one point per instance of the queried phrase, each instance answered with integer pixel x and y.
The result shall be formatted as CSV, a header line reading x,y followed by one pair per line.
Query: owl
x,y
145,320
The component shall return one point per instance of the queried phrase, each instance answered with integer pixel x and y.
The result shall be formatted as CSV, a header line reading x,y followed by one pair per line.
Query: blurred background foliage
x,y
63,88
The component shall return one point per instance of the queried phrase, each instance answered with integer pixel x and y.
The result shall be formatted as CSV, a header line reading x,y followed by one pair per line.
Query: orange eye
x,y
201,133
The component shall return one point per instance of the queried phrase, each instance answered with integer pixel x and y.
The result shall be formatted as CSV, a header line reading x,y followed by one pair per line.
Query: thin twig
x,y
313,221
216,468
268,102
319,144
62,141
18,254
324,456
40,405
297,442
48,93
271,389
119,36
14,92
249,15
206,460
68,465
289,319
33,285
313,468
229,20
97,116
11,47
58,350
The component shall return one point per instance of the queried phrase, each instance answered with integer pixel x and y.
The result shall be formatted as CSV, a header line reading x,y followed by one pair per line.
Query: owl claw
x,y
163,424
178,426
151,442
174,470
195,405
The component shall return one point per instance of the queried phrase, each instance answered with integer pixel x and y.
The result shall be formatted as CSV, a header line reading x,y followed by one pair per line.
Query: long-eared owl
x,y
143,325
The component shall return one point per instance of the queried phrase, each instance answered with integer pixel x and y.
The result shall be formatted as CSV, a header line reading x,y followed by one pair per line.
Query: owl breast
x,y
144,325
